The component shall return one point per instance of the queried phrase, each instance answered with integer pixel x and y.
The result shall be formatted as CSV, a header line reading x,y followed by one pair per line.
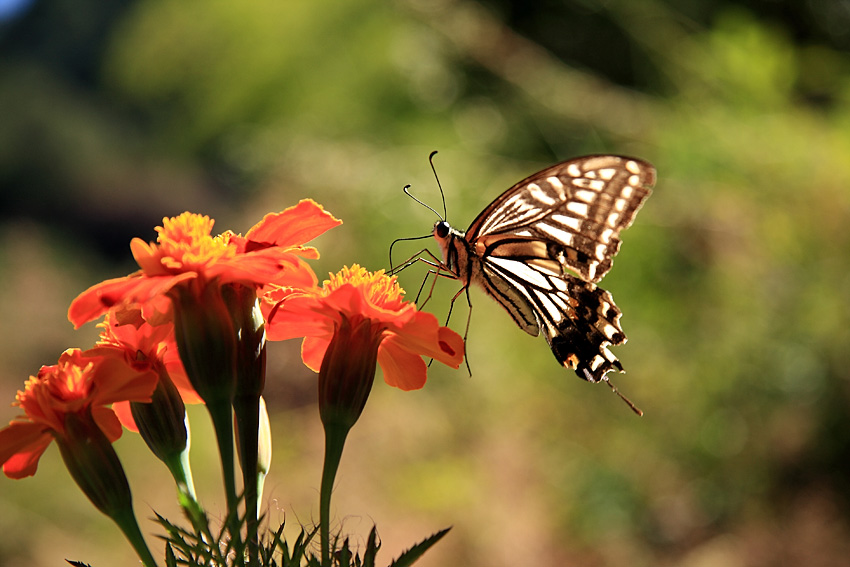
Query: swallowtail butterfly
x,y
540,248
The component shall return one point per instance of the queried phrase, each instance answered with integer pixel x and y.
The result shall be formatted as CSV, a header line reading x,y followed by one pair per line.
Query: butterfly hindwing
x,y
581,341
578,318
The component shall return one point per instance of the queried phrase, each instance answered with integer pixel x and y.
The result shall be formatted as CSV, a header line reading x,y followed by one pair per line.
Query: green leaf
x,y
372,547
415,552
343,555
170,559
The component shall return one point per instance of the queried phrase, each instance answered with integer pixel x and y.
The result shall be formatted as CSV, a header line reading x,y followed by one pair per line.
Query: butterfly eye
x,y
441,229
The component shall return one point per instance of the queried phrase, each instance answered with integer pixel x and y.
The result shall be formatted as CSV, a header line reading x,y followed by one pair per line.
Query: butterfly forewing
x,y
566,218
578,206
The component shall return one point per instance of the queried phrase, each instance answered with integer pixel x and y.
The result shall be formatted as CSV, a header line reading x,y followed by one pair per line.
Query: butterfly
x,y
541,247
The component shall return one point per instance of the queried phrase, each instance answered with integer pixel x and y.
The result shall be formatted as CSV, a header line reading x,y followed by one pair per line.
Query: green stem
x,y
126,521
223,426
248,424
334,443
182,474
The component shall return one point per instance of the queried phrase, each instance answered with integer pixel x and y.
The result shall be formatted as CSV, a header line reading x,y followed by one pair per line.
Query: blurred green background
x,y
734,280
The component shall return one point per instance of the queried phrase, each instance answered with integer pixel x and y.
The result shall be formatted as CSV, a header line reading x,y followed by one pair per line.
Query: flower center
x,y
185,242
380,289
59,383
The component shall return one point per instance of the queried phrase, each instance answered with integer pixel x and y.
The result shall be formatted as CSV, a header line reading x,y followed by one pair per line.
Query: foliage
x,y
184,547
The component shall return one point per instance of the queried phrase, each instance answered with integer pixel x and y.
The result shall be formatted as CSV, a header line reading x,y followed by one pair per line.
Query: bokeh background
x,y
734,281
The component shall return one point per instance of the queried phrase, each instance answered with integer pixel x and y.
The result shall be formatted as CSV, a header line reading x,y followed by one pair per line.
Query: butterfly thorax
x,y
464,260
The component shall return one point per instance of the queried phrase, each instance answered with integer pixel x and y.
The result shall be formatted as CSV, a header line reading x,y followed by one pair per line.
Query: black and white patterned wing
x,y
577,208
578,318
565,218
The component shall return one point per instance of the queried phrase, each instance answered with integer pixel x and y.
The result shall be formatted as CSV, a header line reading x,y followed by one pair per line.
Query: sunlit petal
x,y
402,368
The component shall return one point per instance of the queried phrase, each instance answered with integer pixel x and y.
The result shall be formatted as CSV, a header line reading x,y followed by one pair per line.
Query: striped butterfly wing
x,y
566,218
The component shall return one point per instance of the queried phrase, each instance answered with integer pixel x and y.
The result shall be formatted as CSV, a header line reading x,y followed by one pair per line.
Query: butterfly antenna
x,y
437,177
635,409
429,207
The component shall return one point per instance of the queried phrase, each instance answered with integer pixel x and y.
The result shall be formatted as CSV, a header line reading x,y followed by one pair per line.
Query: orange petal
x,y
116,381
178,375
135,288
157,311
300,315
125,416
452,347
293,226
147,257
21,445
403,369
350,300
423,335
259,267
97,299
107,422
300,275
313,351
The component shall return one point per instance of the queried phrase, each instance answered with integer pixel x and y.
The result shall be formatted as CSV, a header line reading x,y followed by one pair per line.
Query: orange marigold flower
x,y
358,320
77,388
271,252
127,337
401,334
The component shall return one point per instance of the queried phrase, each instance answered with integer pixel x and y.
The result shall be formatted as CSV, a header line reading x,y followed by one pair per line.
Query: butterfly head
x,y
442,229
450,241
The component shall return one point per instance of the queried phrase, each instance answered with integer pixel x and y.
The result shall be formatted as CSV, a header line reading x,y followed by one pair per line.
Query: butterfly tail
x,y
580,340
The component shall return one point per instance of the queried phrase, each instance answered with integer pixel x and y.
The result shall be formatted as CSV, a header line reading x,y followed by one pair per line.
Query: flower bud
x,y
250,328
94,465
348,371
162,423
206,340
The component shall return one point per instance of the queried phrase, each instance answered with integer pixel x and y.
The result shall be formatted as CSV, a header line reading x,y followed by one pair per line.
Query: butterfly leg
x,y
437,268
439,271
466,330
464,289
412,260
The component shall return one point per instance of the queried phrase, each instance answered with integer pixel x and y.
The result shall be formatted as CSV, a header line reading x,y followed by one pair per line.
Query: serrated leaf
x,y
77,563
170,559
411,555
372,547
343,555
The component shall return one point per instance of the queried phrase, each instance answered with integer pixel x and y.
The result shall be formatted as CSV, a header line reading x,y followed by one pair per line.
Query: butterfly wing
x,y
577,207
565,218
